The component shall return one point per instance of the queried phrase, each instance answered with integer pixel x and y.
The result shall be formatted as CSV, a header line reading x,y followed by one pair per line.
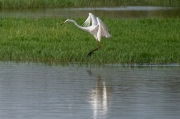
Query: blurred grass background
x,y
24,4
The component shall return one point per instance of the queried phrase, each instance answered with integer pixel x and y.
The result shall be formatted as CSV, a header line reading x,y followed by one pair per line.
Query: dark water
x,y
116,12
39,91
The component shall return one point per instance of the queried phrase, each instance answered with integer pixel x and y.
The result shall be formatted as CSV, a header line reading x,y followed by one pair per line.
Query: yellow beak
x,y
62,23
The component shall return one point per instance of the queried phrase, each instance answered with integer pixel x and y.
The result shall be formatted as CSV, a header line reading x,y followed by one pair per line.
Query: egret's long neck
x,y
80,27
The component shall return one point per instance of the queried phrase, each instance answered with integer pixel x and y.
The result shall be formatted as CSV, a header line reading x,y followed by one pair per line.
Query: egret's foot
x,y
89,54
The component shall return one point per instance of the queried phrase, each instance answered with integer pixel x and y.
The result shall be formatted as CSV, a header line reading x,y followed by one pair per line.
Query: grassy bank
x,y
20,4
133,41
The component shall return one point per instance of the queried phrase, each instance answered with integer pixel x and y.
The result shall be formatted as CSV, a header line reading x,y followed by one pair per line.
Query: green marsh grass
x,y
152,41
20,4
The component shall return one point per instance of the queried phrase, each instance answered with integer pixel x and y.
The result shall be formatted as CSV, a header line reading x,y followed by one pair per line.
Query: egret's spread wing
x,y
87,22
90,18
94,19
103,29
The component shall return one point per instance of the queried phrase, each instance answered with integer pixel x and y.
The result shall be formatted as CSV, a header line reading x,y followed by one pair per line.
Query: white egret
x,y
95,27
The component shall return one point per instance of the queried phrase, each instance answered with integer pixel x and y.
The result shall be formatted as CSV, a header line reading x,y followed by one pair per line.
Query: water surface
x,y
115,12
40,91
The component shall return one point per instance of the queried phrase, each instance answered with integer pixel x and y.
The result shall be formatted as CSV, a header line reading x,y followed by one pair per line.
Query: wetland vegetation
x,y
143,40
154,40
20,4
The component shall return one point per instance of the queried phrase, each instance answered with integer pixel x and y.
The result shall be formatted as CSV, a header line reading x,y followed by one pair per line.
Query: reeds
x,y
20,4
133,41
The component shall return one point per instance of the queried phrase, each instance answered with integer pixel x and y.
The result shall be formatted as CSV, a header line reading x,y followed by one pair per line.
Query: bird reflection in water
x,y
99,98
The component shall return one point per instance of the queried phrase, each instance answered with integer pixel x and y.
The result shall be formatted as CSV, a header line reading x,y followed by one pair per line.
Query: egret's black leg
x,y
99,46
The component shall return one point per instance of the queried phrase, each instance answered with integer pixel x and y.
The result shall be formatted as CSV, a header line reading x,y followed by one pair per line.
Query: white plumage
x,y
95,27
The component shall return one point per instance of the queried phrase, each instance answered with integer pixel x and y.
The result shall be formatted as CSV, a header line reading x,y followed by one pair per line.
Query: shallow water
x,y
115,12
40,91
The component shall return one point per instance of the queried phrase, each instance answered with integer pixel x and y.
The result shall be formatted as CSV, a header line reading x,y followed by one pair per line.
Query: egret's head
x,y
67,20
